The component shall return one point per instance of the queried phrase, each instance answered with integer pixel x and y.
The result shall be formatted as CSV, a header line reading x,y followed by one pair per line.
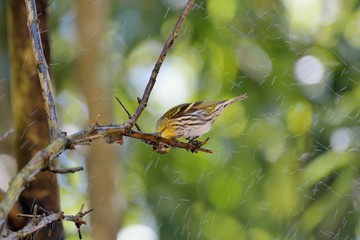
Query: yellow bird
x,y
191,120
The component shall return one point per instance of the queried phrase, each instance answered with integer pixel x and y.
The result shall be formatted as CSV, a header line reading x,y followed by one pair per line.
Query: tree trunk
x,y
102,166
29,117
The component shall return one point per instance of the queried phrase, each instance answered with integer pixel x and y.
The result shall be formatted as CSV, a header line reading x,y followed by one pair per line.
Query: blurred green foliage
x,y
285,162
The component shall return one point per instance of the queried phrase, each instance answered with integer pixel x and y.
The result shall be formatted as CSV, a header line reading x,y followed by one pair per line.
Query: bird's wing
x,y
189,108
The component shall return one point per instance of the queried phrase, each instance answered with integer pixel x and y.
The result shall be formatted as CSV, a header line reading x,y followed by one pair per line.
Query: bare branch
x,y
128,113
27,173
47,219
143,102
63,171
42,69
111,133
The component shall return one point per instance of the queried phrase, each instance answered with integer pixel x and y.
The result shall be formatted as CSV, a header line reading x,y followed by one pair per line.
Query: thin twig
x,y
128,113
63,171
143,102
42,69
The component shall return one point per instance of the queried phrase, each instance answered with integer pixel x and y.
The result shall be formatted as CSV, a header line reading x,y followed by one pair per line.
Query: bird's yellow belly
x,y
185,132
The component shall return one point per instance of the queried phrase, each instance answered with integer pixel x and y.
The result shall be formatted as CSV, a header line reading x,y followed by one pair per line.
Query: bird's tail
x,y
235,99
224,104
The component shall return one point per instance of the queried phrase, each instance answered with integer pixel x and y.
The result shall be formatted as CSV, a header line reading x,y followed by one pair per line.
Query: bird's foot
x,y
197,144
192,139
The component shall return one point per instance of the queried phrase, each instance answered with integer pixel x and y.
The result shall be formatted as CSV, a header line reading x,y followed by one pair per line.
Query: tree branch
x,y
111,133
42,69
143,102
26,174
63,171
128,113
48,219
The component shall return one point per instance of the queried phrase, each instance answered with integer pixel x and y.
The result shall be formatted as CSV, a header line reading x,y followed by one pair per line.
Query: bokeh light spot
x,y
227,12
340,139
253,61
309,70
175,4
352,31
137,232
307,17
299,118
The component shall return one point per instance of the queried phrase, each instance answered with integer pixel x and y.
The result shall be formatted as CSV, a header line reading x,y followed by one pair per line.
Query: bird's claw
x,y
195,144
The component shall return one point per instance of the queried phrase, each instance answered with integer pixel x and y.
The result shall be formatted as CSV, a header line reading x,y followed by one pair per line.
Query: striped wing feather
x,y
189,108
203,110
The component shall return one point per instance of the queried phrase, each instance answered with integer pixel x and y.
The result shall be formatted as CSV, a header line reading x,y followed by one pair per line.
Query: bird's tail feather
x,y
235,99
224,104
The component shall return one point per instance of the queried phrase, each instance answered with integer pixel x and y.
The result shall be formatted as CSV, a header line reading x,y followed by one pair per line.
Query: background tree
x,y
285,160
28,115
93,83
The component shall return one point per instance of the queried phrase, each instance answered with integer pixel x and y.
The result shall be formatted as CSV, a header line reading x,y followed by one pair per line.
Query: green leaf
x,y
324,165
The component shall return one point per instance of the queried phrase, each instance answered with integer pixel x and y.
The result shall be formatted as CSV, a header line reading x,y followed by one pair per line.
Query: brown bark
x,y
29,117
102,166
